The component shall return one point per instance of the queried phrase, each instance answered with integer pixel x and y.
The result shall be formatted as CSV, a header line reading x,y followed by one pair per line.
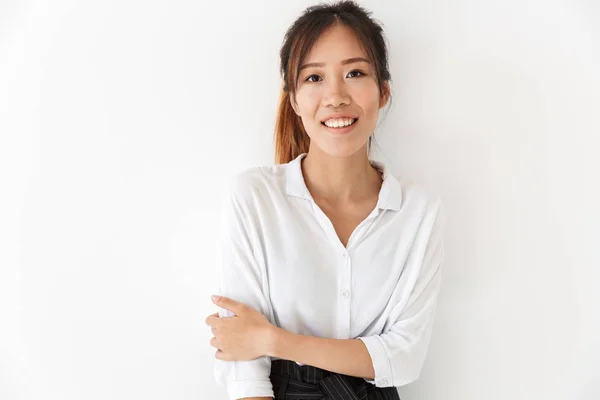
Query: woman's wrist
x,y
274,336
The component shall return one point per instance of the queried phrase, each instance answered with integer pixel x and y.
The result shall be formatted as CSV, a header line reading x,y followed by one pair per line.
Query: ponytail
x,y
291,139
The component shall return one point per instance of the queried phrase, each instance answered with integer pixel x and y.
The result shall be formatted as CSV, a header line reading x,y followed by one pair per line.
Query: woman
x,y
331,265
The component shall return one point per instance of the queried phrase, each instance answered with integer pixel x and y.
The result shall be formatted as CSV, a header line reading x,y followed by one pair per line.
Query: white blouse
x,y
282,256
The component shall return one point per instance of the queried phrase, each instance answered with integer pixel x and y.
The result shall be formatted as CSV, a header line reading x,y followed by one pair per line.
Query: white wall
x,y
120,121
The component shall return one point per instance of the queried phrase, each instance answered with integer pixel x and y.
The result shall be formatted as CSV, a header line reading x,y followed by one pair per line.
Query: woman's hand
x,y
245,336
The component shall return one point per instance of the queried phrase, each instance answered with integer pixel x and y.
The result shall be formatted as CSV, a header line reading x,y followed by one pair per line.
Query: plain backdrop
x,y
122,121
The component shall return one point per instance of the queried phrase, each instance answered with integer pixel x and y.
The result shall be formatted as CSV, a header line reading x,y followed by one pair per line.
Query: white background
x,y
121,121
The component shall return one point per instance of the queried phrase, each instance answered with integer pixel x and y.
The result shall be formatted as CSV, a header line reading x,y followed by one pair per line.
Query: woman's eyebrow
x,y
344,62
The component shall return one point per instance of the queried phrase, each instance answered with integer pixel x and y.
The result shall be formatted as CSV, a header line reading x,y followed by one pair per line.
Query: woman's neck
x,y
340,180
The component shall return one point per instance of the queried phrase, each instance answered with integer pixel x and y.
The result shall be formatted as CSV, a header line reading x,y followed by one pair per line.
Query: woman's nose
x,y
335,94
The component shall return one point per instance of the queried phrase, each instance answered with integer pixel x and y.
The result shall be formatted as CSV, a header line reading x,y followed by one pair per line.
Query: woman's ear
x,y
385,94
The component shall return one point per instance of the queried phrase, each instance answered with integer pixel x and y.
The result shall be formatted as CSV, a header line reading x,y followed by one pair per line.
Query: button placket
x,y
347,274
345,283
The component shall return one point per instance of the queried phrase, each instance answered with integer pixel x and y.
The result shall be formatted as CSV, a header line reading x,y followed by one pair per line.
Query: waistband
x,y
305,382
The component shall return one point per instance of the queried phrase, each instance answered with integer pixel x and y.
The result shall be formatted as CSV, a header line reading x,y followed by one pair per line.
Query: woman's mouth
x,y
340,125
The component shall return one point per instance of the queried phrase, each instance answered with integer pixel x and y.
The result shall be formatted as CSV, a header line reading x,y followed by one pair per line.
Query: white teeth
x,y
339,122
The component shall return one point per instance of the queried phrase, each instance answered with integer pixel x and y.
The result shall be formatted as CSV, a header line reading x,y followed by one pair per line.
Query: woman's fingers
x,y
211,317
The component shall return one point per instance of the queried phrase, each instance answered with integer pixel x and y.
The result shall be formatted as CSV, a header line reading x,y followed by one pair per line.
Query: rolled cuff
x,y
381,361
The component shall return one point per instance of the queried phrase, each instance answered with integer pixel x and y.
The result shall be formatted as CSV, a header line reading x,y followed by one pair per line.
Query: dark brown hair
x,y
290,137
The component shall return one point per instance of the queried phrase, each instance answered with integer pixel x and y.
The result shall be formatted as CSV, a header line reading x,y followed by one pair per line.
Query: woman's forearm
x,y
344,356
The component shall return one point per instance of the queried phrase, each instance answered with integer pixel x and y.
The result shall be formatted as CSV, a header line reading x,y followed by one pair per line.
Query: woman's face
x,y
338,80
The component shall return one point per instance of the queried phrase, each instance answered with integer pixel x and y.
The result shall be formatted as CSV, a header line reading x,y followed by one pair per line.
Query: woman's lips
x,y
341,130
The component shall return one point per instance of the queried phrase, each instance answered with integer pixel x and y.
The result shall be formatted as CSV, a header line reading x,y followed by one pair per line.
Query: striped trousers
x,y
305,382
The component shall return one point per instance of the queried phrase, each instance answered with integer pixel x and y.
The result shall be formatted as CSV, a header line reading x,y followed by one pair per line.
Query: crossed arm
x,y
235,339
344,356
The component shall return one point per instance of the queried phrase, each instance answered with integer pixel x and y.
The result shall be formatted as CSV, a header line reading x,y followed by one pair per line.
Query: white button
x,y
383,382
346,294
345,254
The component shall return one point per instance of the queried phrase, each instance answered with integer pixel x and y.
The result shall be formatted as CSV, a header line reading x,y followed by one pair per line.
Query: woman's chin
x,y
342,148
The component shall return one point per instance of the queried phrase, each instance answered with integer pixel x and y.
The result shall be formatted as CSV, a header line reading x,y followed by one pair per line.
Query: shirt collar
x,y
390,195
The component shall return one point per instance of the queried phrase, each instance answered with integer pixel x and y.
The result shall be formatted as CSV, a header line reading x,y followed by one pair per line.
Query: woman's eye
x,y
360,72
308,79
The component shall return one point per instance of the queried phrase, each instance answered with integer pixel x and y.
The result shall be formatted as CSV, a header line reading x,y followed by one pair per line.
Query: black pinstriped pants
x,y
305,382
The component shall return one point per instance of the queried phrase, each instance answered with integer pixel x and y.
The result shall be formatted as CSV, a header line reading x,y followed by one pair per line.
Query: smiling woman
x,y
334,81
330,264
331,54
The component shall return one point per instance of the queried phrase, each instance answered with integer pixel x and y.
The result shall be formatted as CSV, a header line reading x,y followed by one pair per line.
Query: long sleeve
x,y
398,354
242,279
